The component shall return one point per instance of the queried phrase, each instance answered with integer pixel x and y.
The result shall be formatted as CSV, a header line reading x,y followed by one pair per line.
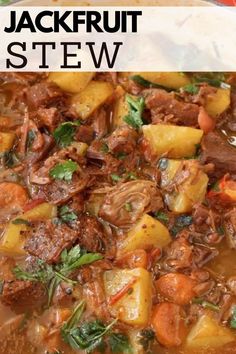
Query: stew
x,y
117,213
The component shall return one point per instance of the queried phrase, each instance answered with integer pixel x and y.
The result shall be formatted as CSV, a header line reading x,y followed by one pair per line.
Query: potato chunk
x,y
72,82
121,109
218,102
189,184
12,241
173,80
208,333
146,234
92,97
6,141
176,141
134,306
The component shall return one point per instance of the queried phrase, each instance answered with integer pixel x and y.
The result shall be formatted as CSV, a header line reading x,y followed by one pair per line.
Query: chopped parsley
x,y
161,216
20,221
52,275
233,318
193,89
121,155
10,159
136,107
66,214
64,171
206,304
132,176
64,133
91,335
146,336
128,207
180,223
30,138
115,177
104,148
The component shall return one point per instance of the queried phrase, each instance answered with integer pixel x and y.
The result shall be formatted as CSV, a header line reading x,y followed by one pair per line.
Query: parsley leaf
x,y
10,159
30,138
115,177
147,336
51,276
64,170
191,88
20,221
206,304
128,207
104,148
119,343
136,107
180,223
233,318
66,214
64,133
91,335
161,216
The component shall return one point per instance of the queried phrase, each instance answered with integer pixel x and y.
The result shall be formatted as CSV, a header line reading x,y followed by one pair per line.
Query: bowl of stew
x,y
117,212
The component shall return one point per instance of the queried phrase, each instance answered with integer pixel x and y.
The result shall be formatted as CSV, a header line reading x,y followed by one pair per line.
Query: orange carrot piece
x,y
12,195
168,324
176,287
206,122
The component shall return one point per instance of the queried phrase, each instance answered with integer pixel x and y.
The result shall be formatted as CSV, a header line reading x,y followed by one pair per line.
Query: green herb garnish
x,y
180,223
147,336
104,148
20,221
233,318
10,159
66,214
128,207
121,155
30,138
92,335
136,107
51,276
64,170
193,89
131,176
206,304
161,216
115,177
64,134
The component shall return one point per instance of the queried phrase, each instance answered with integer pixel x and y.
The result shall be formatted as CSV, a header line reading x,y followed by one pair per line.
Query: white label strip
x,y
118,39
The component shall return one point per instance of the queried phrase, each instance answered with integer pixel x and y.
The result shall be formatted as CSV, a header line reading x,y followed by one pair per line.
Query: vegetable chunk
x,y
13,241
129,295
208,333
72,82
218,102
91,98
176,141
6,141
146,234
172,80
168,324
186,184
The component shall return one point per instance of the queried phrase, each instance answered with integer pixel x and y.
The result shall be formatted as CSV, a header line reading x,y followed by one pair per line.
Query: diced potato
x,y
121,109
133,307
146,234
176,141
188,192
208,333
6,141
12,241
81,148
72,82
218,102
93,96
173,80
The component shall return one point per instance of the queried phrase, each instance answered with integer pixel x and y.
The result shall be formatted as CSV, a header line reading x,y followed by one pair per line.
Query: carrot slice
x,y
169,325
12,195
176,287
122,292
206,122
